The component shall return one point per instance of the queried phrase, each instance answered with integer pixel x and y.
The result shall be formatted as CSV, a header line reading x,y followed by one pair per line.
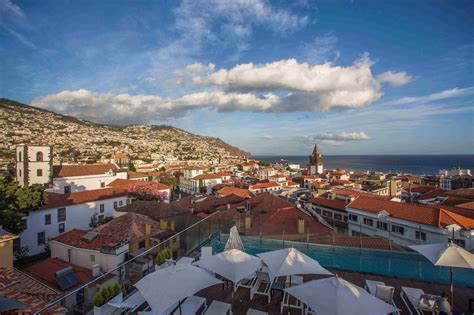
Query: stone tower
x,y
315,165
34,165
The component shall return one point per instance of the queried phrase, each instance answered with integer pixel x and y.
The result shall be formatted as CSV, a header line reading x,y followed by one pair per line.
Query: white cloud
x,y
342,136
125,108
394,78
337,138
324,85
267,137
452,93
11,16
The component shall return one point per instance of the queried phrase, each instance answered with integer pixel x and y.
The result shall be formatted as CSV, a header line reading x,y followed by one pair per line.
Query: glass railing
x,y
409,265
119,281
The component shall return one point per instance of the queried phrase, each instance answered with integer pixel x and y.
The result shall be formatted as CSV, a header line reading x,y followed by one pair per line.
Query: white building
x,y
82,177
265,187
266,173
66,212
408,224
186,180
89,249
455,172
33,164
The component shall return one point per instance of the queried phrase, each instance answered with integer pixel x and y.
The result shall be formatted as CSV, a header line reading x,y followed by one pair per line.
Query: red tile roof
x,y
19,286
467,205
127,184
467,193
421,214
336,204
83,169
45,270
264,185
231,190
129,227
211,176
74,238
131,175
56,200
433,194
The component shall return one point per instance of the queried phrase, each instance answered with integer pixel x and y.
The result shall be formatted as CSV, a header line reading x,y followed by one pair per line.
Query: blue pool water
x,y
381,262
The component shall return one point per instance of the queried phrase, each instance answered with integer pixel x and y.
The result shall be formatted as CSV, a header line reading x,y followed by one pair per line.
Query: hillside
x,y
21,123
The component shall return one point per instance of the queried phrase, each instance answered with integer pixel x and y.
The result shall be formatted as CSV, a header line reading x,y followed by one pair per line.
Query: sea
x,y
408,164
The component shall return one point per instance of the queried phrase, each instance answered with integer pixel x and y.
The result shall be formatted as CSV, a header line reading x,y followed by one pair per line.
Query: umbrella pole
x,y
452,286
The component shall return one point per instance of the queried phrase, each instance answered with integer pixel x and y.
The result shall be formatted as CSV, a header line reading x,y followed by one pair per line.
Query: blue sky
x,y
272,77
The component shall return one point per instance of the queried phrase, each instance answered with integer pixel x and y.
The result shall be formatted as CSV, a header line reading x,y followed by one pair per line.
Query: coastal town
x,y
236,157
93,217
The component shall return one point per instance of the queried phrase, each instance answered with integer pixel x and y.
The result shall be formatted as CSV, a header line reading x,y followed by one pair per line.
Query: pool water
x,y
382,262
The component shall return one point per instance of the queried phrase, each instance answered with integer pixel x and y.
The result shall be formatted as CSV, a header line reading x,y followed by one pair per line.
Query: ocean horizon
x,y
420,164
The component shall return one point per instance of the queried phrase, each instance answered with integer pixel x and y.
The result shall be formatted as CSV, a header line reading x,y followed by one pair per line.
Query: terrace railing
x,y
135,267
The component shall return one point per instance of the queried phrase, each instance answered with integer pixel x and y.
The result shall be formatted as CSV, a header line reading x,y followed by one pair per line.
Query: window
x,y
141,244
41,238
355,233
92,258
39,172
420,235
318,210
61,214
102,184
327,213
345,218
47,219
382,225
120,203
338,216
39,156
19,173
17,244
368,222
353,217
62,228
102,207
101,218
129,201
115,204
398,229
67,189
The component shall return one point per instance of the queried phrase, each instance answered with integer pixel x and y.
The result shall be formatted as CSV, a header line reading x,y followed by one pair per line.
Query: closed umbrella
x,y
165,287
234,241
290,261
336,296
447,255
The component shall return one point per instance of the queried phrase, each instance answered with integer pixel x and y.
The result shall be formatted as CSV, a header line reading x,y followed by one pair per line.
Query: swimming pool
x,y
388,263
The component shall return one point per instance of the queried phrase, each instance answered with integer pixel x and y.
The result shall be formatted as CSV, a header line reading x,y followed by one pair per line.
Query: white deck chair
x,y
412,296
262,285
245,283
287,298
381,291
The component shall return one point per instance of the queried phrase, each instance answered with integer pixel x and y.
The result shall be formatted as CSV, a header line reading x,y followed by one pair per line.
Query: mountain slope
x,y
21,123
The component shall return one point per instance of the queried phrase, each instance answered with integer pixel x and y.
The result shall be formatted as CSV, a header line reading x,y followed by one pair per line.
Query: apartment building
x,y
64,212
409,224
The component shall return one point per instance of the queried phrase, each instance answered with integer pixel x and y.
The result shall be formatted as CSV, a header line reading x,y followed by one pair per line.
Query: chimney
x,y
300,223
228,206
147,229
248,222
163,224
95,270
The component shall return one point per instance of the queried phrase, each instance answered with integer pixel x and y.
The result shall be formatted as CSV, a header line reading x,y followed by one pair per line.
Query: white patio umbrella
x,y
290,261
336,296
234,264
165,287
234,241
447,255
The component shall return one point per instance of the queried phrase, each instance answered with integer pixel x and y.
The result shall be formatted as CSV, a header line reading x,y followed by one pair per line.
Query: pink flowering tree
x,y
146,191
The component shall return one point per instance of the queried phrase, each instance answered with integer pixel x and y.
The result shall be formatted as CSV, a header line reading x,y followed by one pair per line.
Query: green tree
x,y
16,200
170,180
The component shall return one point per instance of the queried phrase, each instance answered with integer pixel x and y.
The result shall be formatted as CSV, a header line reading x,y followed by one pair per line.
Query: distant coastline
x,y
421,164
